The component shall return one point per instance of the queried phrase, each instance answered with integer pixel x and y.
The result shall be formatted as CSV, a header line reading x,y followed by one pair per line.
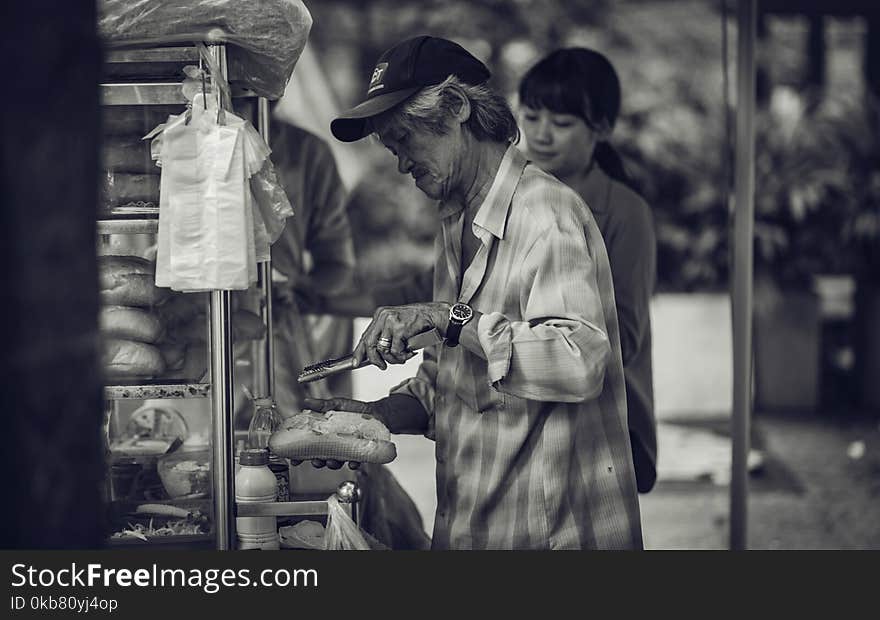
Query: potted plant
x,y
803,200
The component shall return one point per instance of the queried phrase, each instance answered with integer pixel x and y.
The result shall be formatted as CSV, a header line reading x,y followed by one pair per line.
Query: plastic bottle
x,y
265,421
255,483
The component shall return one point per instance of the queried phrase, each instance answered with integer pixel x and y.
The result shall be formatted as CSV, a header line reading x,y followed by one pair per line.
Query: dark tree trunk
x,y
51,387
816,57
872,53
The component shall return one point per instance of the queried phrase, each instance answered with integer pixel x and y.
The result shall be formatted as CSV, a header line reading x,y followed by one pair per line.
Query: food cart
x,y
177,359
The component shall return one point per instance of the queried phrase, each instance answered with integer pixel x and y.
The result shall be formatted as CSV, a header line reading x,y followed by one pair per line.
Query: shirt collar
x,y
492,214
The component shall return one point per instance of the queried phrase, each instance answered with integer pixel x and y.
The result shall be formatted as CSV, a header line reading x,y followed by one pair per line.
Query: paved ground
x,y
819,488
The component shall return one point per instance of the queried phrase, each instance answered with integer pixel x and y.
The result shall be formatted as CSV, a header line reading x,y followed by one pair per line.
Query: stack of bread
x,y
154,333
130,325
131,177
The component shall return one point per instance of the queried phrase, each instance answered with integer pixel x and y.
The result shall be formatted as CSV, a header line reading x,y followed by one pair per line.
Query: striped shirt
x,y
529,419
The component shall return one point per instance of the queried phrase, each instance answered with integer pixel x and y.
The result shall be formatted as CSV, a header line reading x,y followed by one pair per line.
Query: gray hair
x,y
430,108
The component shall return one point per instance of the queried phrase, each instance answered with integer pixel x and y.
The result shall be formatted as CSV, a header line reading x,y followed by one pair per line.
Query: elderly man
x,y
525,397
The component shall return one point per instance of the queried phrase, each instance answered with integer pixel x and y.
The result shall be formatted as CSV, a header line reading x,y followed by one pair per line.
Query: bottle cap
x,y
254,456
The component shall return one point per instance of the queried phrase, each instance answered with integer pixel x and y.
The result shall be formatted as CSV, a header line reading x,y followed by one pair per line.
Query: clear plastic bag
x,y
266,36
341,532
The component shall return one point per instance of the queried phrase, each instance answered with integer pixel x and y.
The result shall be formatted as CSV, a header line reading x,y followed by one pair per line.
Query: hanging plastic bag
x,y
206,228
212,229
271,205
341,532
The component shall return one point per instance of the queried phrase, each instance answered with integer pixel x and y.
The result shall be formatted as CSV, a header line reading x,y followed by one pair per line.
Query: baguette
x,y
122,187
128,281
340,435
130,323
129,359
127,154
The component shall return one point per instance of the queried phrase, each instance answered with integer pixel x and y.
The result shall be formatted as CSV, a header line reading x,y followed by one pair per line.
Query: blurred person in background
x,y
313,258
525,397
568,104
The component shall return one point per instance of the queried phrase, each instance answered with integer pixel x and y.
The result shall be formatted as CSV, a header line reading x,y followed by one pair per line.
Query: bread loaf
x,y
125,120
127,154
193,367
340,435
130,323
128,281
122,187
174,355
129,359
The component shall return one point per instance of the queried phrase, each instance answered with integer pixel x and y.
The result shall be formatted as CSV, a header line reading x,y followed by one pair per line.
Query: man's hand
x,y
324,405
385,339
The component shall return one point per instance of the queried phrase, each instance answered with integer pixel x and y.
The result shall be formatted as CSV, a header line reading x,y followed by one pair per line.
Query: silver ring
x,y
383,343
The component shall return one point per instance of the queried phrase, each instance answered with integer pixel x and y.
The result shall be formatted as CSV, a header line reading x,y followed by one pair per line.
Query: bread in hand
x,y
339,435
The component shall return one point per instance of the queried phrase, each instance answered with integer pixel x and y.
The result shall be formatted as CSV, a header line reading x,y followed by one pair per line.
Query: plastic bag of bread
x,y
304,535
340,435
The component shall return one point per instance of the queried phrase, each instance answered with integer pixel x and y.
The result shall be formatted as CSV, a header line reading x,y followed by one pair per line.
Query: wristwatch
x,y
459,316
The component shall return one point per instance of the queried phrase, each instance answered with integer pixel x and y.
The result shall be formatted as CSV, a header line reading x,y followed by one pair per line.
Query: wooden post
x,y
50,394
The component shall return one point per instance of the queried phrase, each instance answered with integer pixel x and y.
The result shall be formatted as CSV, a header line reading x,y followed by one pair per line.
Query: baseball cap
x,y
403,70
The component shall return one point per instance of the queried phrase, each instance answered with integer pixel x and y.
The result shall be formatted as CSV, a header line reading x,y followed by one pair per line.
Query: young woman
x,y
569,102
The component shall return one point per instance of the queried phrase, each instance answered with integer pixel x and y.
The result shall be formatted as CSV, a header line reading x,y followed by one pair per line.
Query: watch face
x,y
461,312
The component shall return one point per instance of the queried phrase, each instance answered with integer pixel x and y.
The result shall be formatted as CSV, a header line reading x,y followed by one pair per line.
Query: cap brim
x,y
352,124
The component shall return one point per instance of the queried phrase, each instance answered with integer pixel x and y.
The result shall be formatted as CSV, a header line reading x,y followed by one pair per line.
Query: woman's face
x,y
560,144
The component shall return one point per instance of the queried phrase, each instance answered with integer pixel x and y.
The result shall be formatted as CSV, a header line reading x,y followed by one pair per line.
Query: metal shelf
x,y
154,93
282,509
167,390
132,226
186,53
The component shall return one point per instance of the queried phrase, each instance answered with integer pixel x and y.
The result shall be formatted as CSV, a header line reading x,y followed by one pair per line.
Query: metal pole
x,y
222,399
742,271
222,402
264,362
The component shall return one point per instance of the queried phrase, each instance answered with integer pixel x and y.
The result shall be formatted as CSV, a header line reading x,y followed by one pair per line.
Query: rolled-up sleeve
x,y
559,350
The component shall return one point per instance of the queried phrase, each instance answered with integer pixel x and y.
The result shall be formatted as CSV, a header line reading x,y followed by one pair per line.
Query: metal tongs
x,y
322,370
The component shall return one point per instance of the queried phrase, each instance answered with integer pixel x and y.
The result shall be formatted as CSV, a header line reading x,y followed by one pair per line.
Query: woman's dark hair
x,y
581,82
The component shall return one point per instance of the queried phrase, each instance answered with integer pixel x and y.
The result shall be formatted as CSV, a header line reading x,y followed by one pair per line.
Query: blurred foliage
x,y
817,180
816,161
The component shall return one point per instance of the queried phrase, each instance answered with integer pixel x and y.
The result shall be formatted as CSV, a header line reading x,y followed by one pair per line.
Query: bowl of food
x,y
186,473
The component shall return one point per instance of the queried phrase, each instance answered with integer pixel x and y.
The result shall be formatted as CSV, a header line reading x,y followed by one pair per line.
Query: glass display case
x,y
171,359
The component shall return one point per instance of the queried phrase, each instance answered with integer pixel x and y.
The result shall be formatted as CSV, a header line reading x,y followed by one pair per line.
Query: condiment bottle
x,y
265,421
255,483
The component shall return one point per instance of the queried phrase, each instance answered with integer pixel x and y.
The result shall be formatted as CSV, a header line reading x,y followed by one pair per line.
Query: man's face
x,y
432,160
